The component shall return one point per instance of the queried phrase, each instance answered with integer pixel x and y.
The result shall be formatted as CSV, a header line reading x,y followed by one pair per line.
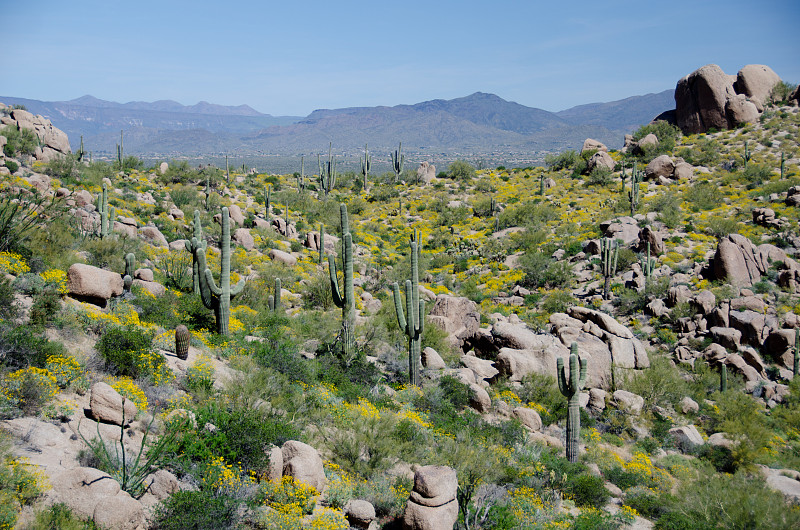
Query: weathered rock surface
x,y
106,405
432,504
93,283
303,463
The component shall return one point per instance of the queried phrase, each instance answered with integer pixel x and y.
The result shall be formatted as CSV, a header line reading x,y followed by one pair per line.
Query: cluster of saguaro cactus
x,y
609,252
197,243
267,197
327,172
412,322
182,342
219,297
274,301
570,384
366,165
648,265
344,297
398,159
106,213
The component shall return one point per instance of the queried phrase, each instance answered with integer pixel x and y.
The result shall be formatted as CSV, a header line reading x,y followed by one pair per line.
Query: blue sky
x,y
291,57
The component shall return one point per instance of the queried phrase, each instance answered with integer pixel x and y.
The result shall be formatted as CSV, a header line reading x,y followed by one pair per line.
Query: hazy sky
x,y
291,57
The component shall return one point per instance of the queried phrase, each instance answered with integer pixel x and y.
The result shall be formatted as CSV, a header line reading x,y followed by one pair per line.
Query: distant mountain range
x,y
479,124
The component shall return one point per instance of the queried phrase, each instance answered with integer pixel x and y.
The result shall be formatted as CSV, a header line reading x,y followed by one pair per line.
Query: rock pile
x,y
709,98
432,504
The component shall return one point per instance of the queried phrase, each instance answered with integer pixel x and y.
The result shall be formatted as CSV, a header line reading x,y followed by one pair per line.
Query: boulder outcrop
x,y
432,504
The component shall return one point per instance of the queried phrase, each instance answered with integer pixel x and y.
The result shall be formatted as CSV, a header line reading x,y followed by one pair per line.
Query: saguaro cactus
x,y
197,242
723,377
609,251
130,266
414,325
227,171
398,159
747,154
267,197
571,385
106,213
274,302
633,195
327,172
345,298
301,178
182,342
648,265
783,163
219,297
366,164
321,243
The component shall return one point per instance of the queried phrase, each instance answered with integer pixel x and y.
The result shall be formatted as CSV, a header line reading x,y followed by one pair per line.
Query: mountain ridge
x,y
479,123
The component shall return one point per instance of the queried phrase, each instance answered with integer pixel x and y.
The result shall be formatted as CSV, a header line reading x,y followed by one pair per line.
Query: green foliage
x,y
64,167
658,384
123,347
543,390
60,517
720,227
565,160
19,141
666,133
631,301
20,214
739,501
241,436
45,307
781,92
668,207
600,176
21,346
704,195
530,213
705,152
756,174
461,170
12,166
541,270
18,485
199,510
9,309
129,470
742,419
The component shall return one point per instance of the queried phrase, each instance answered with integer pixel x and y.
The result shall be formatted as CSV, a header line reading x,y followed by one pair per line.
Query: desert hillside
x,y
609,341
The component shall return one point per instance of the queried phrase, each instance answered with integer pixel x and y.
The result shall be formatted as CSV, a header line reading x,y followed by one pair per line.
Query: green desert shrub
x,y
564,160
666,133
704,195
19,141
129,351
22,346
461,170
199,510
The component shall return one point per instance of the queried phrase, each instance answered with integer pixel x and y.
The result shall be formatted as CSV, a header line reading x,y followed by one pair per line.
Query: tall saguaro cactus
x,y
648,265
413,321
723,377
219,297
267,197
106,213
327,171
321,243
366,164
609,251
571,385
796,363
130,267
301,178
197,242
398,159
633,195
274,302
345,297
